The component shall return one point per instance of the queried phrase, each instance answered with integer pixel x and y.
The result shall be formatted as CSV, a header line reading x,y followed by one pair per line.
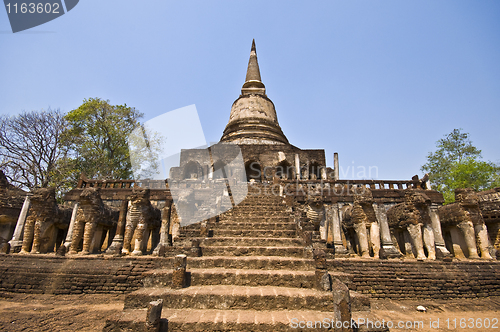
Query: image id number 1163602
x,y
32,8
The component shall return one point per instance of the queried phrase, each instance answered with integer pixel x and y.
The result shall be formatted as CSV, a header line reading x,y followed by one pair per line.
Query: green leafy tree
x,y
99,134
457,164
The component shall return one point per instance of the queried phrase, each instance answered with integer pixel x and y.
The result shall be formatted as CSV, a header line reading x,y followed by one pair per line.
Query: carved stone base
x,y
340,250
160,250
116,247
61,251
442,252
15,246
389,251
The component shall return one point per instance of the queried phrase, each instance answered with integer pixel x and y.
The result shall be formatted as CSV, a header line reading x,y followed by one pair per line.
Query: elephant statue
x,y
361,217
46,222
11,203
92,214
489,203
413,216
315,213
142,217
466,215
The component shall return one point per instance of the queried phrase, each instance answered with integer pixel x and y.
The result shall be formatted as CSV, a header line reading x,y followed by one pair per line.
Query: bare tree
x,y
31,146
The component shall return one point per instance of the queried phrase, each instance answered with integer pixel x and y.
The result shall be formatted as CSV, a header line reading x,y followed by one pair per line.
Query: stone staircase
x,y
252,276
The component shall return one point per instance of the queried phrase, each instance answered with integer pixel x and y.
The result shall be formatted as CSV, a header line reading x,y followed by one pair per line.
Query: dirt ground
x,y
440,315
28,312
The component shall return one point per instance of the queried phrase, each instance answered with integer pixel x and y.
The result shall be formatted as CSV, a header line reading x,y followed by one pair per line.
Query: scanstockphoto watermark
x,y
425,325
26,14
308,170
307,188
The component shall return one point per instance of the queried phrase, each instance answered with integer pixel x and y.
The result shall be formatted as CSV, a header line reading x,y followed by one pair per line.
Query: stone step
x,y
251,218
261,202
251,241
247,277
251,262
256,225
255,214
189,320
264,207
233,297
253,251
250,232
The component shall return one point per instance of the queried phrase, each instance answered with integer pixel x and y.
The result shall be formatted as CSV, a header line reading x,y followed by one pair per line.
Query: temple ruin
x,y
298,238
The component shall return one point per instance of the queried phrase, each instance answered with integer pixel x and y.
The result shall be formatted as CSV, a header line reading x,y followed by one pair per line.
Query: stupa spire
x,y
253,119
253,83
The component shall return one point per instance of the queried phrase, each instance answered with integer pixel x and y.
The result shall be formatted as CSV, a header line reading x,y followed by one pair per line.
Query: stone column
x,y
116,247
164,230
69,235
335,166
441,250
342,305
387,250
337,231
16,242
322,280
210,173
323,173
297,166
305,175
153,315
179,273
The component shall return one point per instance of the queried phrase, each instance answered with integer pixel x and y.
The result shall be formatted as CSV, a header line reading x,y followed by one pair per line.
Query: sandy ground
x,y
23,312
456,315
28,312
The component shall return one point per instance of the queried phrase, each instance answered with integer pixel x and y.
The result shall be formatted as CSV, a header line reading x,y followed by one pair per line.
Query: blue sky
x,y
379,82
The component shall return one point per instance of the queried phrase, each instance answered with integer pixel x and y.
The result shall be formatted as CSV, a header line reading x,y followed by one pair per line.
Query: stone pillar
x,y
375,239
116,247
175,221
179,273
335,166
342,305
204,230
16,241
337,232
441,250
165,227
329,225
387,250
305,175
323,173
297,166
322,280
153,315
210,173
195,250
69,235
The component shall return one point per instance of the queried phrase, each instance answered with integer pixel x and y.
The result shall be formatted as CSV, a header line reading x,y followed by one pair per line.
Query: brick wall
x,y
378,278
87,274
428,279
